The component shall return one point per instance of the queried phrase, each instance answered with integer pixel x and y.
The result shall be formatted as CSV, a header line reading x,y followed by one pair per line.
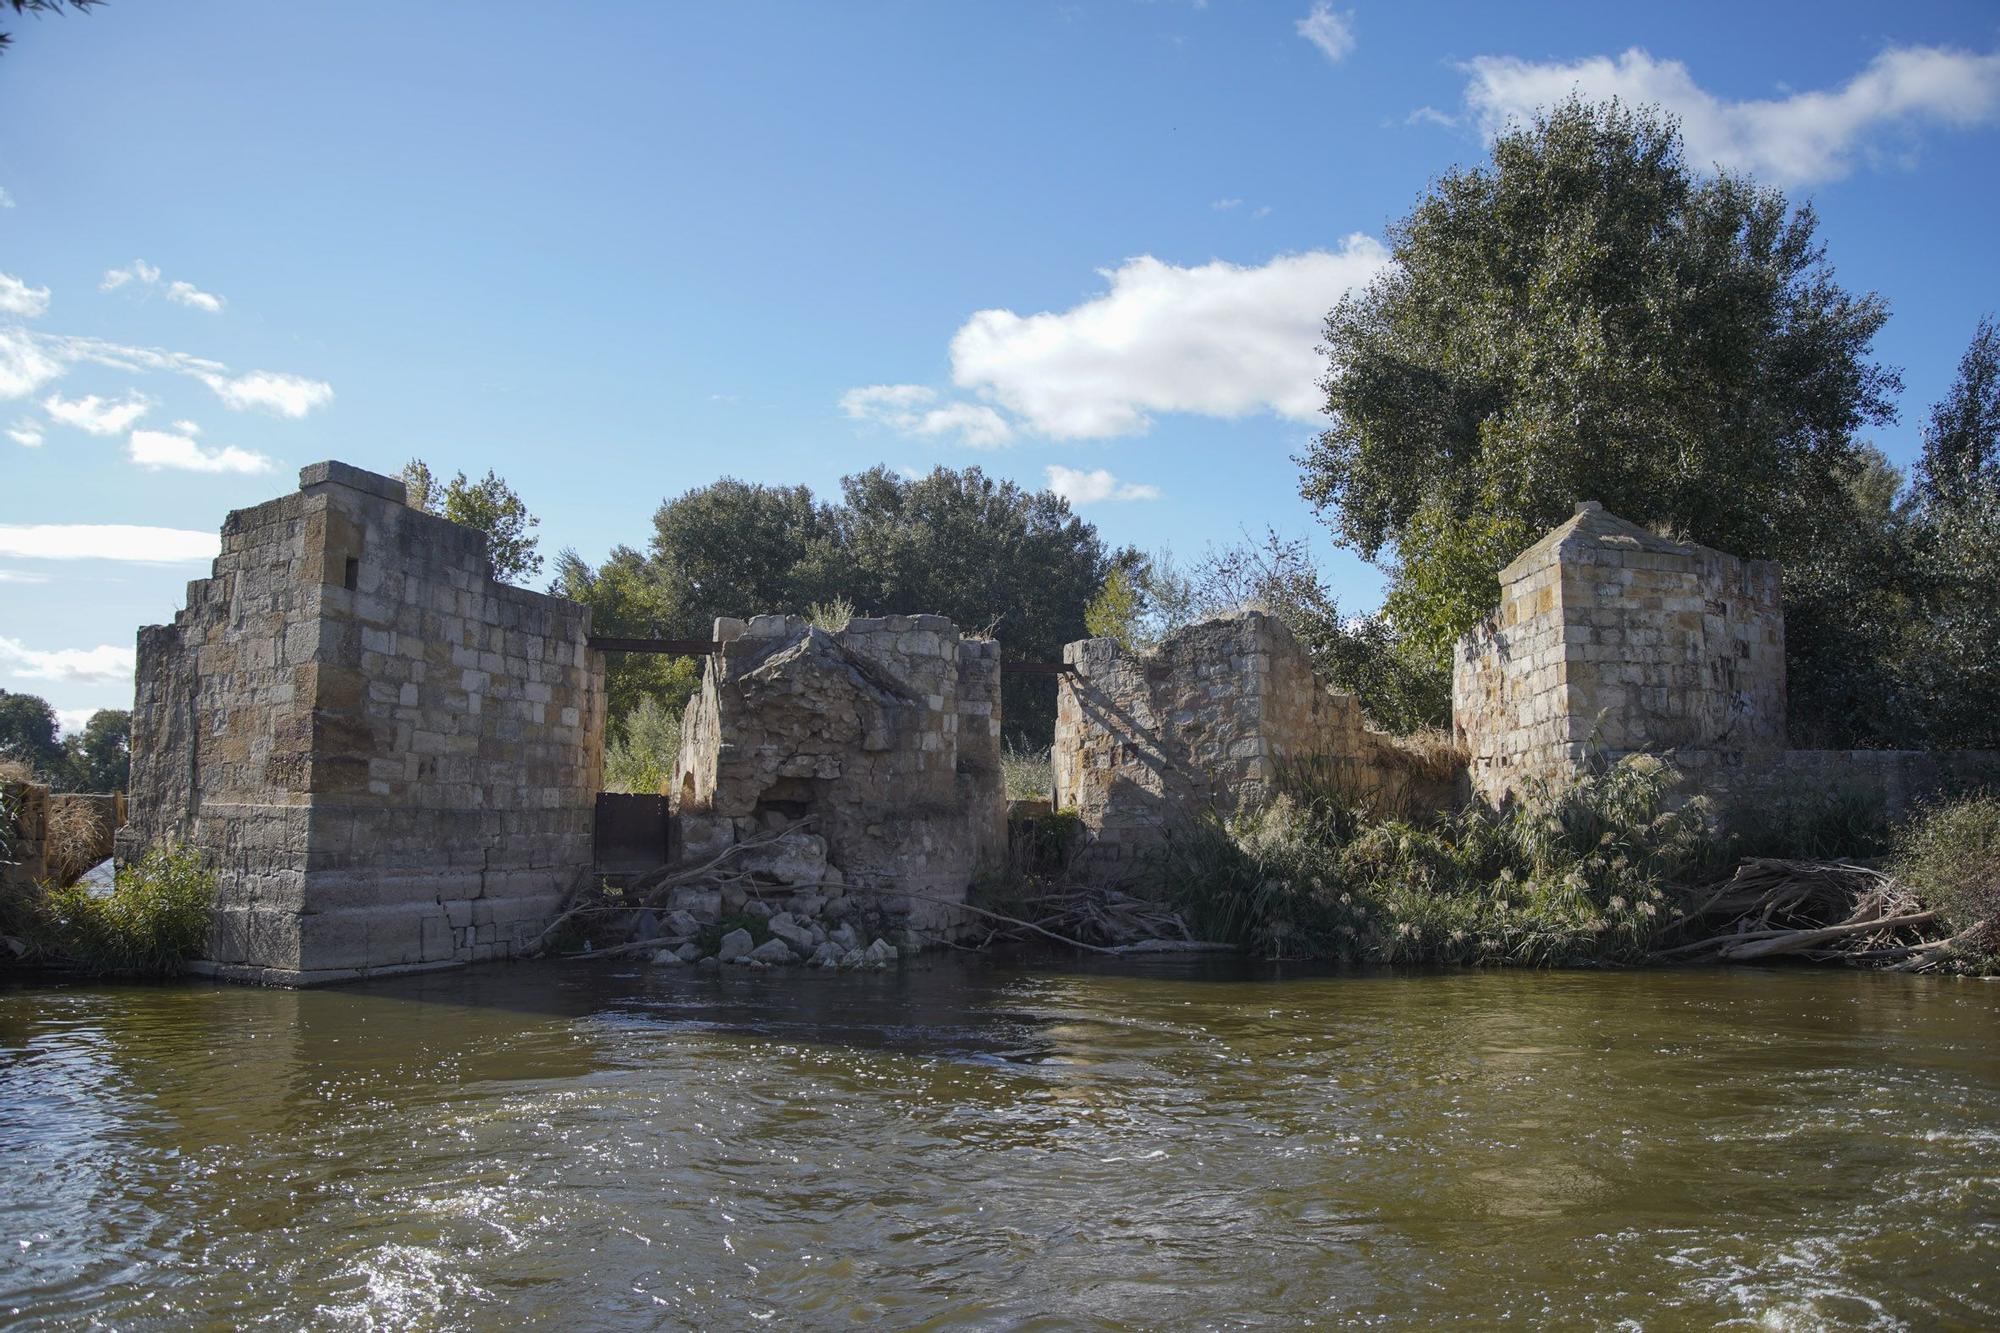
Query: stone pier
x,y
389,758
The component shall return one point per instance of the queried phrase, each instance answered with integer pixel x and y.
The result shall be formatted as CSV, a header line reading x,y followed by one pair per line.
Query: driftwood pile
x,y
1821,911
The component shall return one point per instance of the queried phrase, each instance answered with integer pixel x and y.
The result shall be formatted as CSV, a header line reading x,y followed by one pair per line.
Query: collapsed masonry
x,y
389,758
879,743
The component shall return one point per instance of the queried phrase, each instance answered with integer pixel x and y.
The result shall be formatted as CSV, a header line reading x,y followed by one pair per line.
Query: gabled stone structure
x,y
1209,721
884,735
389,758
1612,640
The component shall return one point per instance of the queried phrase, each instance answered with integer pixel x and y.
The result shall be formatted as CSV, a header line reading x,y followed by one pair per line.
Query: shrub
x,y
1578,872
641,758
1816,823
1950,854
831,616
156,918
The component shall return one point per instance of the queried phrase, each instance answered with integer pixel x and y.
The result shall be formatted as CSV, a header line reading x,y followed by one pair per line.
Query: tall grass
x,y
154,920
1027,772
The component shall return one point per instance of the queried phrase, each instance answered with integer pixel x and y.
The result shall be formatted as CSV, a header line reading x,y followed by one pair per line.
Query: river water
x,y
974,1143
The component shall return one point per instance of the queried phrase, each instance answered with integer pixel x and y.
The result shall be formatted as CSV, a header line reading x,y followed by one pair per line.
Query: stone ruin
x,y
877,745
1611,640
1211,720
392,761
389,758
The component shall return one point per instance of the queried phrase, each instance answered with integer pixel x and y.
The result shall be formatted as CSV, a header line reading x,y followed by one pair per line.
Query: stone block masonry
x,y
882,738
1612,640
1210,721
389,758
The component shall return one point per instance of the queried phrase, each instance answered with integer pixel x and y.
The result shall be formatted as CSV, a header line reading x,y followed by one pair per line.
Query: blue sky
x,y
618,250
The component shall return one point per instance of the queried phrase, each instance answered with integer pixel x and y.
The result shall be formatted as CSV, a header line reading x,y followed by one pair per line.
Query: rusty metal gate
x,y
633,832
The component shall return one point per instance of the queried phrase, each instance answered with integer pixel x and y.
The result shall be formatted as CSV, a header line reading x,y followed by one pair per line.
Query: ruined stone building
x,y
389,757
880,741
392,761
1612,640
1211,720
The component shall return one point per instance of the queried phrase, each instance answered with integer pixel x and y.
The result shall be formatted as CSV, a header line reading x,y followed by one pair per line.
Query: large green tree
x,y
491,506
1952,650
28,734
985,552
99,758
1584,317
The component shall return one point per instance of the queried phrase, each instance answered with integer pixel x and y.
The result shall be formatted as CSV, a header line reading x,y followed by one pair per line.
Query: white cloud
x,y
1794,140
24,366
1083,488
1332,33
140,272
21,576
186,293
72,721
6,200
26,432
29,360
1430,115
1217,339
106,541
178,291
909,408
104,664
187,428
282,394
99,416
1224,205
18,298
156,449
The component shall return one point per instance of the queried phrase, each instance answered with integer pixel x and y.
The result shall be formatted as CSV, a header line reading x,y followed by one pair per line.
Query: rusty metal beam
x,y
605,643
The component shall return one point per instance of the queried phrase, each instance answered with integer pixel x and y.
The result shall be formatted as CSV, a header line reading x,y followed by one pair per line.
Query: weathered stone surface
x,y
1614,640
798,935
880,742
736,944
772,951
390,759
1208,721
682,922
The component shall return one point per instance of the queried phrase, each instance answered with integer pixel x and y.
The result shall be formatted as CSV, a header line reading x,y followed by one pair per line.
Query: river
x,y
971,1142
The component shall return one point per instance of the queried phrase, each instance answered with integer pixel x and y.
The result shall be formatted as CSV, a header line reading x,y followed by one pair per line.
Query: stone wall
x,y
883,738
390,758
1211,720
1611,640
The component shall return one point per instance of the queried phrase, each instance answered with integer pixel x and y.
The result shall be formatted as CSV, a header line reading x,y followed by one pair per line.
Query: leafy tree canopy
x,y
1584,318
993,557
28,733
489,505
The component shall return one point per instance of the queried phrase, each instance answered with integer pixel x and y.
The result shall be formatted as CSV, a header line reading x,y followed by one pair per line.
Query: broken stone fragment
x,y
701,904
797,858
736,944
827,955
689,952
682,922
667,958
844,935
709,964
798,937
881,953
771,951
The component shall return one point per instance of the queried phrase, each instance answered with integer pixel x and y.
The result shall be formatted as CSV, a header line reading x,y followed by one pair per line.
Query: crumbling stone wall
x,y
1613,640
884,735
1210,720
390,758
24,837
